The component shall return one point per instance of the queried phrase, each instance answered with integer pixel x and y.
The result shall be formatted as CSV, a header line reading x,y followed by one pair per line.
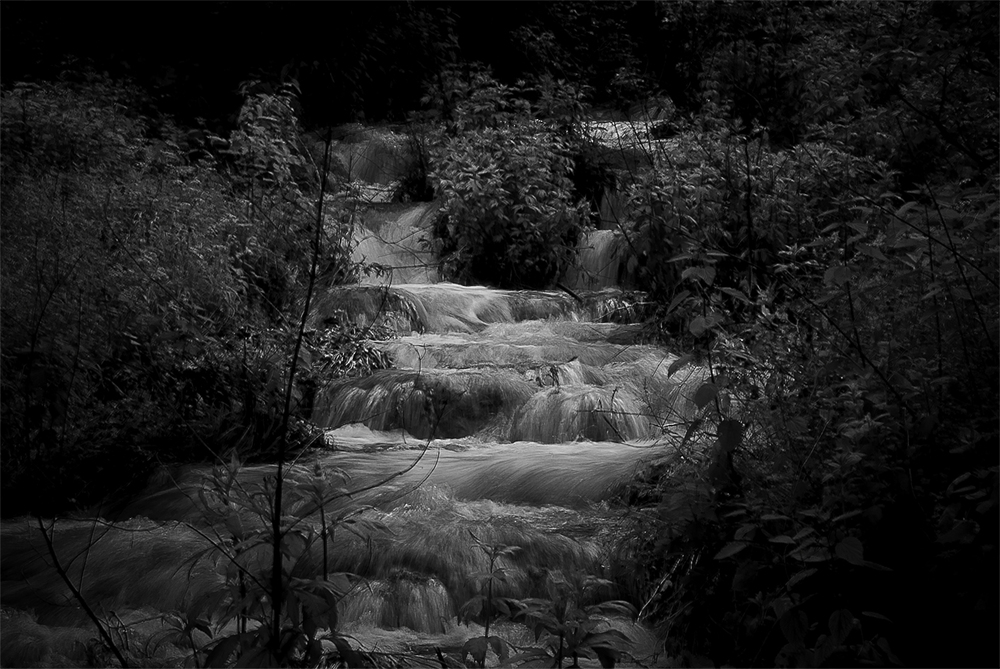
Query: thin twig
x,y
76,593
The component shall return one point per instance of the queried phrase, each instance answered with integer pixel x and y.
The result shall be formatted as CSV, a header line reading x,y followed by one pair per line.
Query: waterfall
x,y
510,418
399,238
602,262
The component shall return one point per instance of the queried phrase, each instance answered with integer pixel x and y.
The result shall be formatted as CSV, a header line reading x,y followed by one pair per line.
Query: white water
x,y
398,237
510,416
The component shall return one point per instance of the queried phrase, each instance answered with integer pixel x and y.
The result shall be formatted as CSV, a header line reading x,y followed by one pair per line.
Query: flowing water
x,y
511,418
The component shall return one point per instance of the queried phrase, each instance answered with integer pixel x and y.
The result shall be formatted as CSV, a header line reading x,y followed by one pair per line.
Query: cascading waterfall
x,y
397,237
511,417
602,261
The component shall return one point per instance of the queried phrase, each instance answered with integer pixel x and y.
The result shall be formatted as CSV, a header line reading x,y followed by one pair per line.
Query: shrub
x,y
146,299
844,456
731,202
115,262
509,214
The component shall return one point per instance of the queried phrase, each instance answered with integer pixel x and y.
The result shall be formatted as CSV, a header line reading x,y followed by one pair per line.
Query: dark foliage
x,y
146,298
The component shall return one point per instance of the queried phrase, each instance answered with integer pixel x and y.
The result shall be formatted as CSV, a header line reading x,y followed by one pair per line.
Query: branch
x,y
277,585
77,594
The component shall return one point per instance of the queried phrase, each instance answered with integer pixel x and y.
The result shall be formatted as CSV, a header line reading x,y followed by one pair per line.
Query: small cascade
x,y
602,261
427,403
571,413
398,237
370,155
613,211
449,307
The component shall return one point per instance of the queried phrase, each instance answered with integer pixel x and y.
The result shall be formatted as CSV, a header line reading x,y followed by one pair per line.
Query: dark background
x,y
354,60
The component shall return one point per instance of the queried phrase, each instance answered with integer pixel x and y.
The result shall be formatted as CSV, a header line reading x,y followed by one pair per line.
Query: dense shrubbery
x,y
911,84
845,425
843,292
510,214
723,200
145,297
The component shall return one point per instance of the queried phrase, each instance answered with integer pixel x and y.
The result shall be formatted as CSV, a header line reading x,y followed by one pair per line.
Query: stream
x,y
509,418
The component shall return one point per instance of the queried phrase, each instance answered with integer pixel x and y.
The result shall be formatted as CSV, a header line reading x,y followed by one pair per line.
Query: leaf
x,y
730,433
730,549
841,623
680,297
498,646
810,554
851,550
705,274
845,516
234,524
838,275
705,394
794,625
220,655
830,228
905,208
909,243
702,324
782,539
799,576
679,363
502,606
607,639
476,647
876,616
958,481
614,607
872,252
203,626
738,294
803,533
745,532
472,608
781,606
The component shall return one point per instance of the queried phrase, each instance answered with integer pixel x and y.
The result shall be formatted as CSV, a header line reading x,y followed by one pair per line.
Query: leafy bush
x,y
842,292
564,624
845,456
509,215
731,203
569,628
100,286
139,288
912,85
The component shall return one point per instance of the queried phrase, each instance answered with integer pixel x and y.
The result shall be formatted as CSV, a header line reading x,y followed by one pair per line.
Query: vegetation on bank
x,y
821,233
151,282
823,236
